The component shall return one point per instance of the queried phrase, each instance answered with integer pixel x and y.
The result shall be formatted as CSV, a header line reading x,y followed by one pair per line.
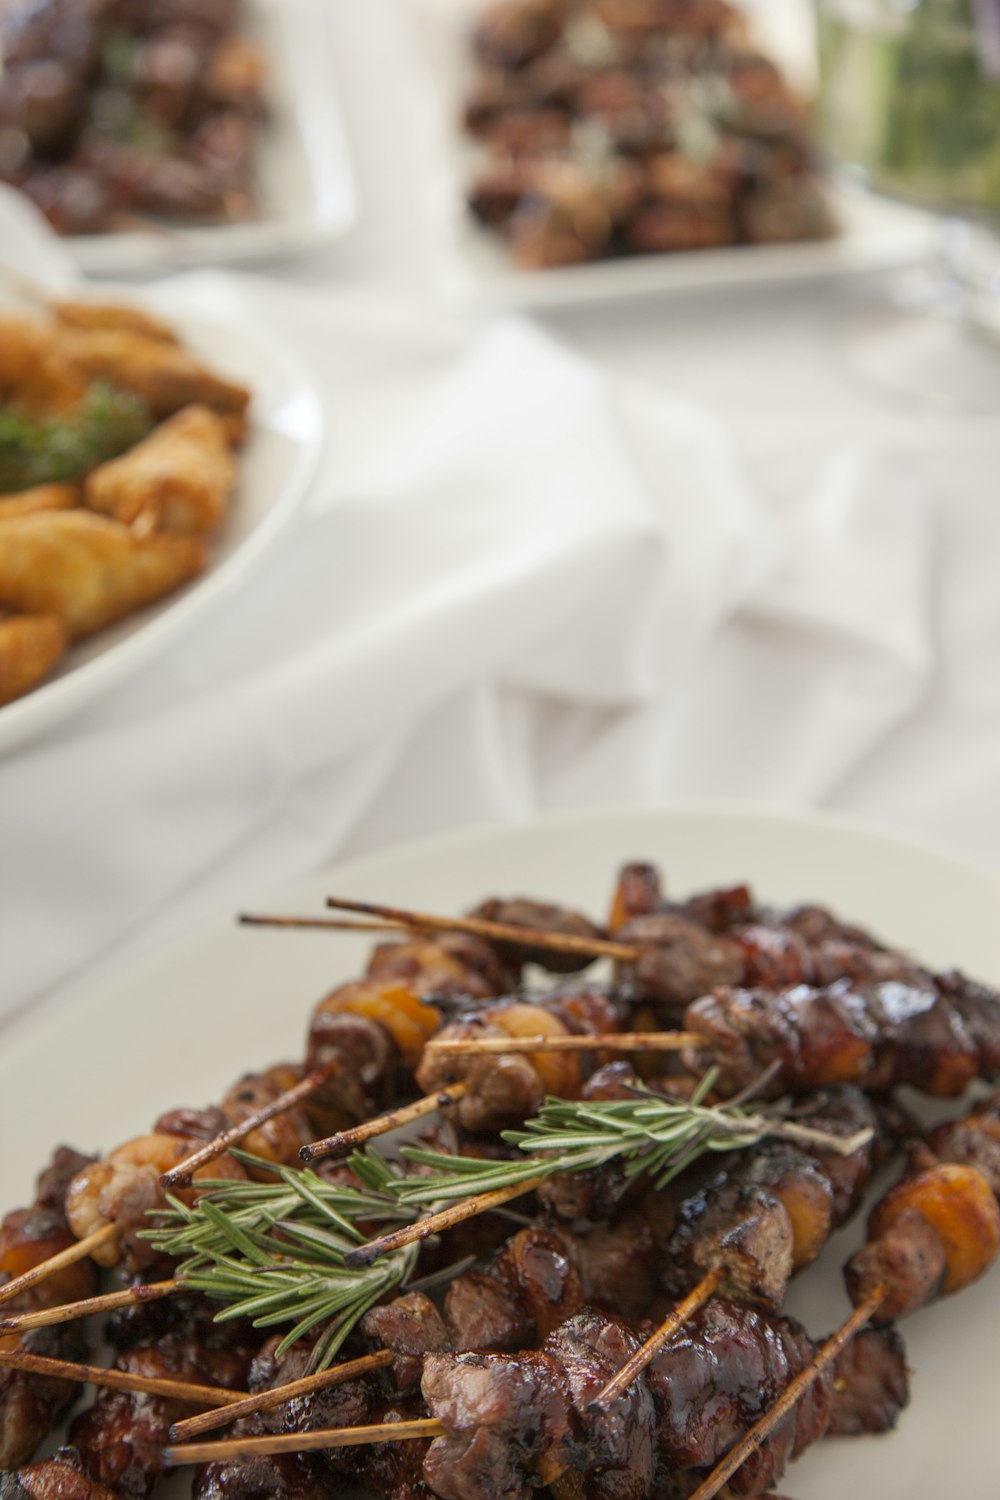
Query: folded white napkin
x,y
517,582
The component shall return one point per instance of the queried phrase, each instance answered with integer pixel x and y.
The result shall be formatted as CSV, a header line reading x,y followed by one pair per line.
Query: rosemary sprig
x,y
652,1134
275,1252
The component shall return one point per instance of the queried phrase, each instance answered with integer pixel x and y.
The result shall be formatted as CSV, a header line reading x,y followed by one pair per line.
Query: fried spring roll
x,y
112,316
164,375
30,646
88,570
179,478
36,376
39,497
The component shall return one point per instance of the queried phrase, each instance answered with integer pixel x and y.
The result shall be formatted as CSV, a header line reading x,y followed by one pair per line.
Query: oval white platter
x,y
276,466
176,1027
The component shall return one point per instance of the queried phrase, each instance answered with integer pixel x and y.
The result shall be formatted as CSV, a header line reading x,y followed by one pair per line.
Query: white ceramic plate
x,y
97,1065
276,465
472,264
304,172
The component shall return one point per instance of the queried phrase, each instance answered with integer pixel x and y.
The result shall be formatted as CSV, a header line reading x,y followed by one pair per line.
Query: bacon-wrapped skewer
x,y
511,1424
726,938
938,1035
938,1229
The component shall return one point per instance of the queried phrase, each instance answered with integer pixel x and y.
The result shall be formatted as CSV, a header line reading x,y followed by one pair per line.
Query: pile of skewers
x,y
570,1276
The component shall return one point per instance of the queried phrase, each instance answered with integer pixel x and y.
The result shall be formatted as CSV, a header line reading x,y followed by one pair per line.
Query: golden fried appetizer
x,y
36,375
164,375
39,497
88,570
177,479
30,646
113,316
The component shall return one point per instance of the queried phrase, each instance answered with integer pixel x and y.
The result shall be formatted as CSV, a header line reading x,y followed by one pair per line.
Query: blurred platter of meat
x,y
148,463
601,147
172,132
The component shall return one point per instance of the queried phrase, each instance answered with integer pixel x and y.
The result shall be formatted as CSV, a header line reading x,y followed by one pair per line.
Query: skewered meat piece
x,y
546,917
870,1384
755,946
530,1289
681,960
377,1026
126,1184
937,1035
58,1478
504,1090
770,1211
973,1142
939,1228
120,1438
280,1476
724,1369
30,1404
409,1325
516,1424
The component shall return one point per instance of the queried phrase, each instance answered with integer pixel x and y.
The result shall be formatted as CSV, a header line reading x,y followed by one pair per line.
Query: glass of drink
x,y
910,103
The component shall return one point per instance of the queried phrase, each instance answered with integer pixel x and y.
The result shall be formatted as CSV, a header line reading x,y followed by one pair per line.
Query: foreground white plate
x,y
179,1026
276,466
473,264
304,172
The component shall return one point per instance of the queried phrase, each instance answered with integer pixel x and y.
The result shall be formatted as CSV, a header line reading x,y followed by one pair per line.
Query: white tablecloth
x,y
664,549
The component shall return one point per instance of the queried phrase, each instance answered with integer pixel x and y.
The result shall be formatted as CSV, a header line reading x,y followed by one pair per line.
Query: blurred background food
x,y
114,111
911,95
613,127
116,471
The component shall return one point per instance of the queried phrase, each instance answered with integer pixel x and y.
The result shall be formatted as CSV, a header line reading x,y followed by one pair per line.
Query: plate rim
x,y
439,844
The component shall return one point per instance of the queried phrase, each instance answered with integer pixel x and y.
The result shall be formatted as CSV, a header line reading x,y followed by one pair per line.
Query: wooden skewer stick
x,y
120,1380
344,1142
320,924
180,1176
304,1442
67,1257
107,1302
634,1041
793,1393
620,1383
266,1400
497,932
457,1213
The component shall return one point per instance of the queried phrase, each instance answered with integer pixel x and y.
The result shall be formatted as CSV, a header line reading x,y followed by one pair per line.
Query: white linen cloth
x,y
518,582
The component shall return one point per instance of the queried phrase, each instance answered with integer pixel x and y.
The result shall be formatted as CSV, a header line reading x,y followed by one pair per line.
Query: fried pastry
x,y
113,316
88,570
39,497
36,376
164,375
30,646
179,478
